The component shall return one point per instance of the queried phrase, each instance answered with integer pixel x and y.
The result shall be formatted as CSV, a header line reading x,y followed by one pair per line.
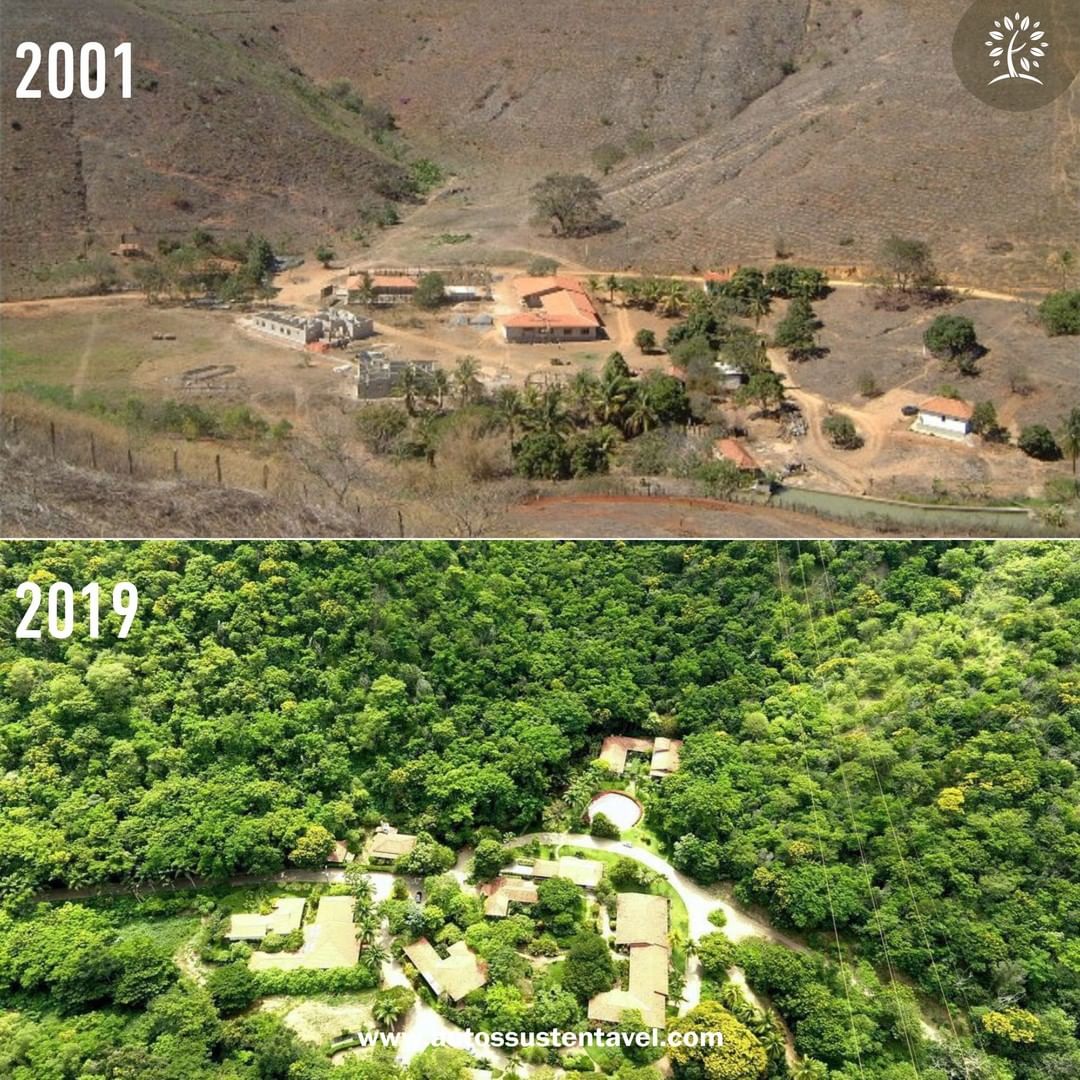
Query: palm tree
x,y
440,386
612,285
757,307
1070,436
465,379
367,932
809,1069
612,394
360,884
592,283
373,958
387,1010
650,292
642,415
583,390
773,1043
730,997
410,385
509,408
548,415
672,297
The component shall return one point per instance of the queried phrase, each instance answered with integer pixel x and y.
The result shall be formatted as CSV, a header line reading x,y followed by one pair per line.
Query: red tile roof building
x,y
553,309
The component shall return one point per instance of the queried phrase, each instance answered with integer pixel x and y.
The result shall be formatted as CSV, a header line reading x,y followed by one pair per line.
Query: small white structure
x,y
947,417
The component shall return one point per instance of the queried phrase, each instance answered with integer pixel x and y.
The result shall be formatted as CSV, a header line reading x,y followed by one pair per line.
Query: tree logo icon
x,y
1020,43
1003,57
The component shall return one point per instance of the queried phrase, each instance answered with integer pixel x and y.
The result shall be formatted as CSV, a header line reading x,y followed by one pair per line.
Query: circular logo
x,y
1018,58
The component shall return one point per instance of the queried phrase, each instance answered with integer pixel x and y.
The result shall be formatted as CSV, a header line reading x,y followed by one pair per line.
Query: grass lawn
x,y
168,931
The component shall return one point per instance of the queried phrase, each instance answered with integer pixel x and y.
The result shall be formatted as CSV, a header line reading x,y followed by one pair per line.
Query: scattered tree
x,y
572,204
1037,441
841,431
430,291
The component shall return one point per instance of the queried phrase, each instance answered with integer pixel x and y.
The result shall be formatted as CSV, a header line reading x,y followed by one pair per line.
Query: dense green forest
x,y
881,752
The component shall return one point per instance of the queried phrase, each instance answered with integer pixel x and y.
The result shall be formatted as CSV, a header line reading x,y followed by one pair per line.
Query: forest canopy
x,y
881,738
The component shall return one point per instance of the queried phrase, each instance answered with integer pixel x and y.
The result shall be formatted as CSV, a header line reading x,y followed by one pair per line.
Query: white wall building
x,y
945,416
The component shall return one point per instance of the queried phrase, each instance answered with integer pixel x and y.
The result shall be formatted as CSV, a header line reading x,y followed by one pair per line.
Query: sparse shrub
x,y
984,422
868,385
842,432
645,340
425,175
379,426
1037,441
606,156
1060,312
1020,381
543,266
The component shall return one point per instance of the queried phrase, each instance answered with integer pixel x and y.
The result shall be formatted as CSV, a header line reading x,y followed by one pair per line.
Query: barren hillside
x,y
727,125
826,123
222,131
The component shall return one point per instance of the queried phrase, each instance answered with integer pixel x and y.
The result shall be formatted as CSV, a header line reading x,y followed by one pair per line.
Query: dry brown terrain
x,y
822,122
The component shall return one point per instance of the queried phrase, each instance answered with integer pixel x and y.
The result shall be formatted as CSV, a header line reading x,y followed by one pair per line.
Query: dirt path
x,y
83,370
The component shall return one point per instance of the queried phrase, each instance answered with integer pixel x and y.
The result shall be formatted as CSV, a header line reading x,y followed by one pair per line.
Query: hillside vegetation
x,y
881,738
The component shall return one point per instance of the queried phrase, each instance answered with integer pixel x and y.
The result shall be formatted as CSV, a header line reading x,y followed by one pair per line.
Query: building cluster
x,y
331,326
553,309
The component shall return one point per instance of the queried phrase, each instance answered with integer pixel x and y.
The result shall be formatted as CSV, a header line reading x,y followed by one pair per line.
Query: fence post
x,y
93,452
131,463
52,437
266,476
217,465
175,460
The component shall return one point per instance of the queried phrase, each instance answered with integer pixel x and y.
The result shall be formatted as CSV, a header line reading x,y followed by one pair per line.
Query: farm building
x,y
329,941
286,916
553,309
504,891
729,376
664,753
295,329
455,976
732,450
345,326
388,845
665,757
340,854
365,287
583,872
642,928
377,375
949,417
